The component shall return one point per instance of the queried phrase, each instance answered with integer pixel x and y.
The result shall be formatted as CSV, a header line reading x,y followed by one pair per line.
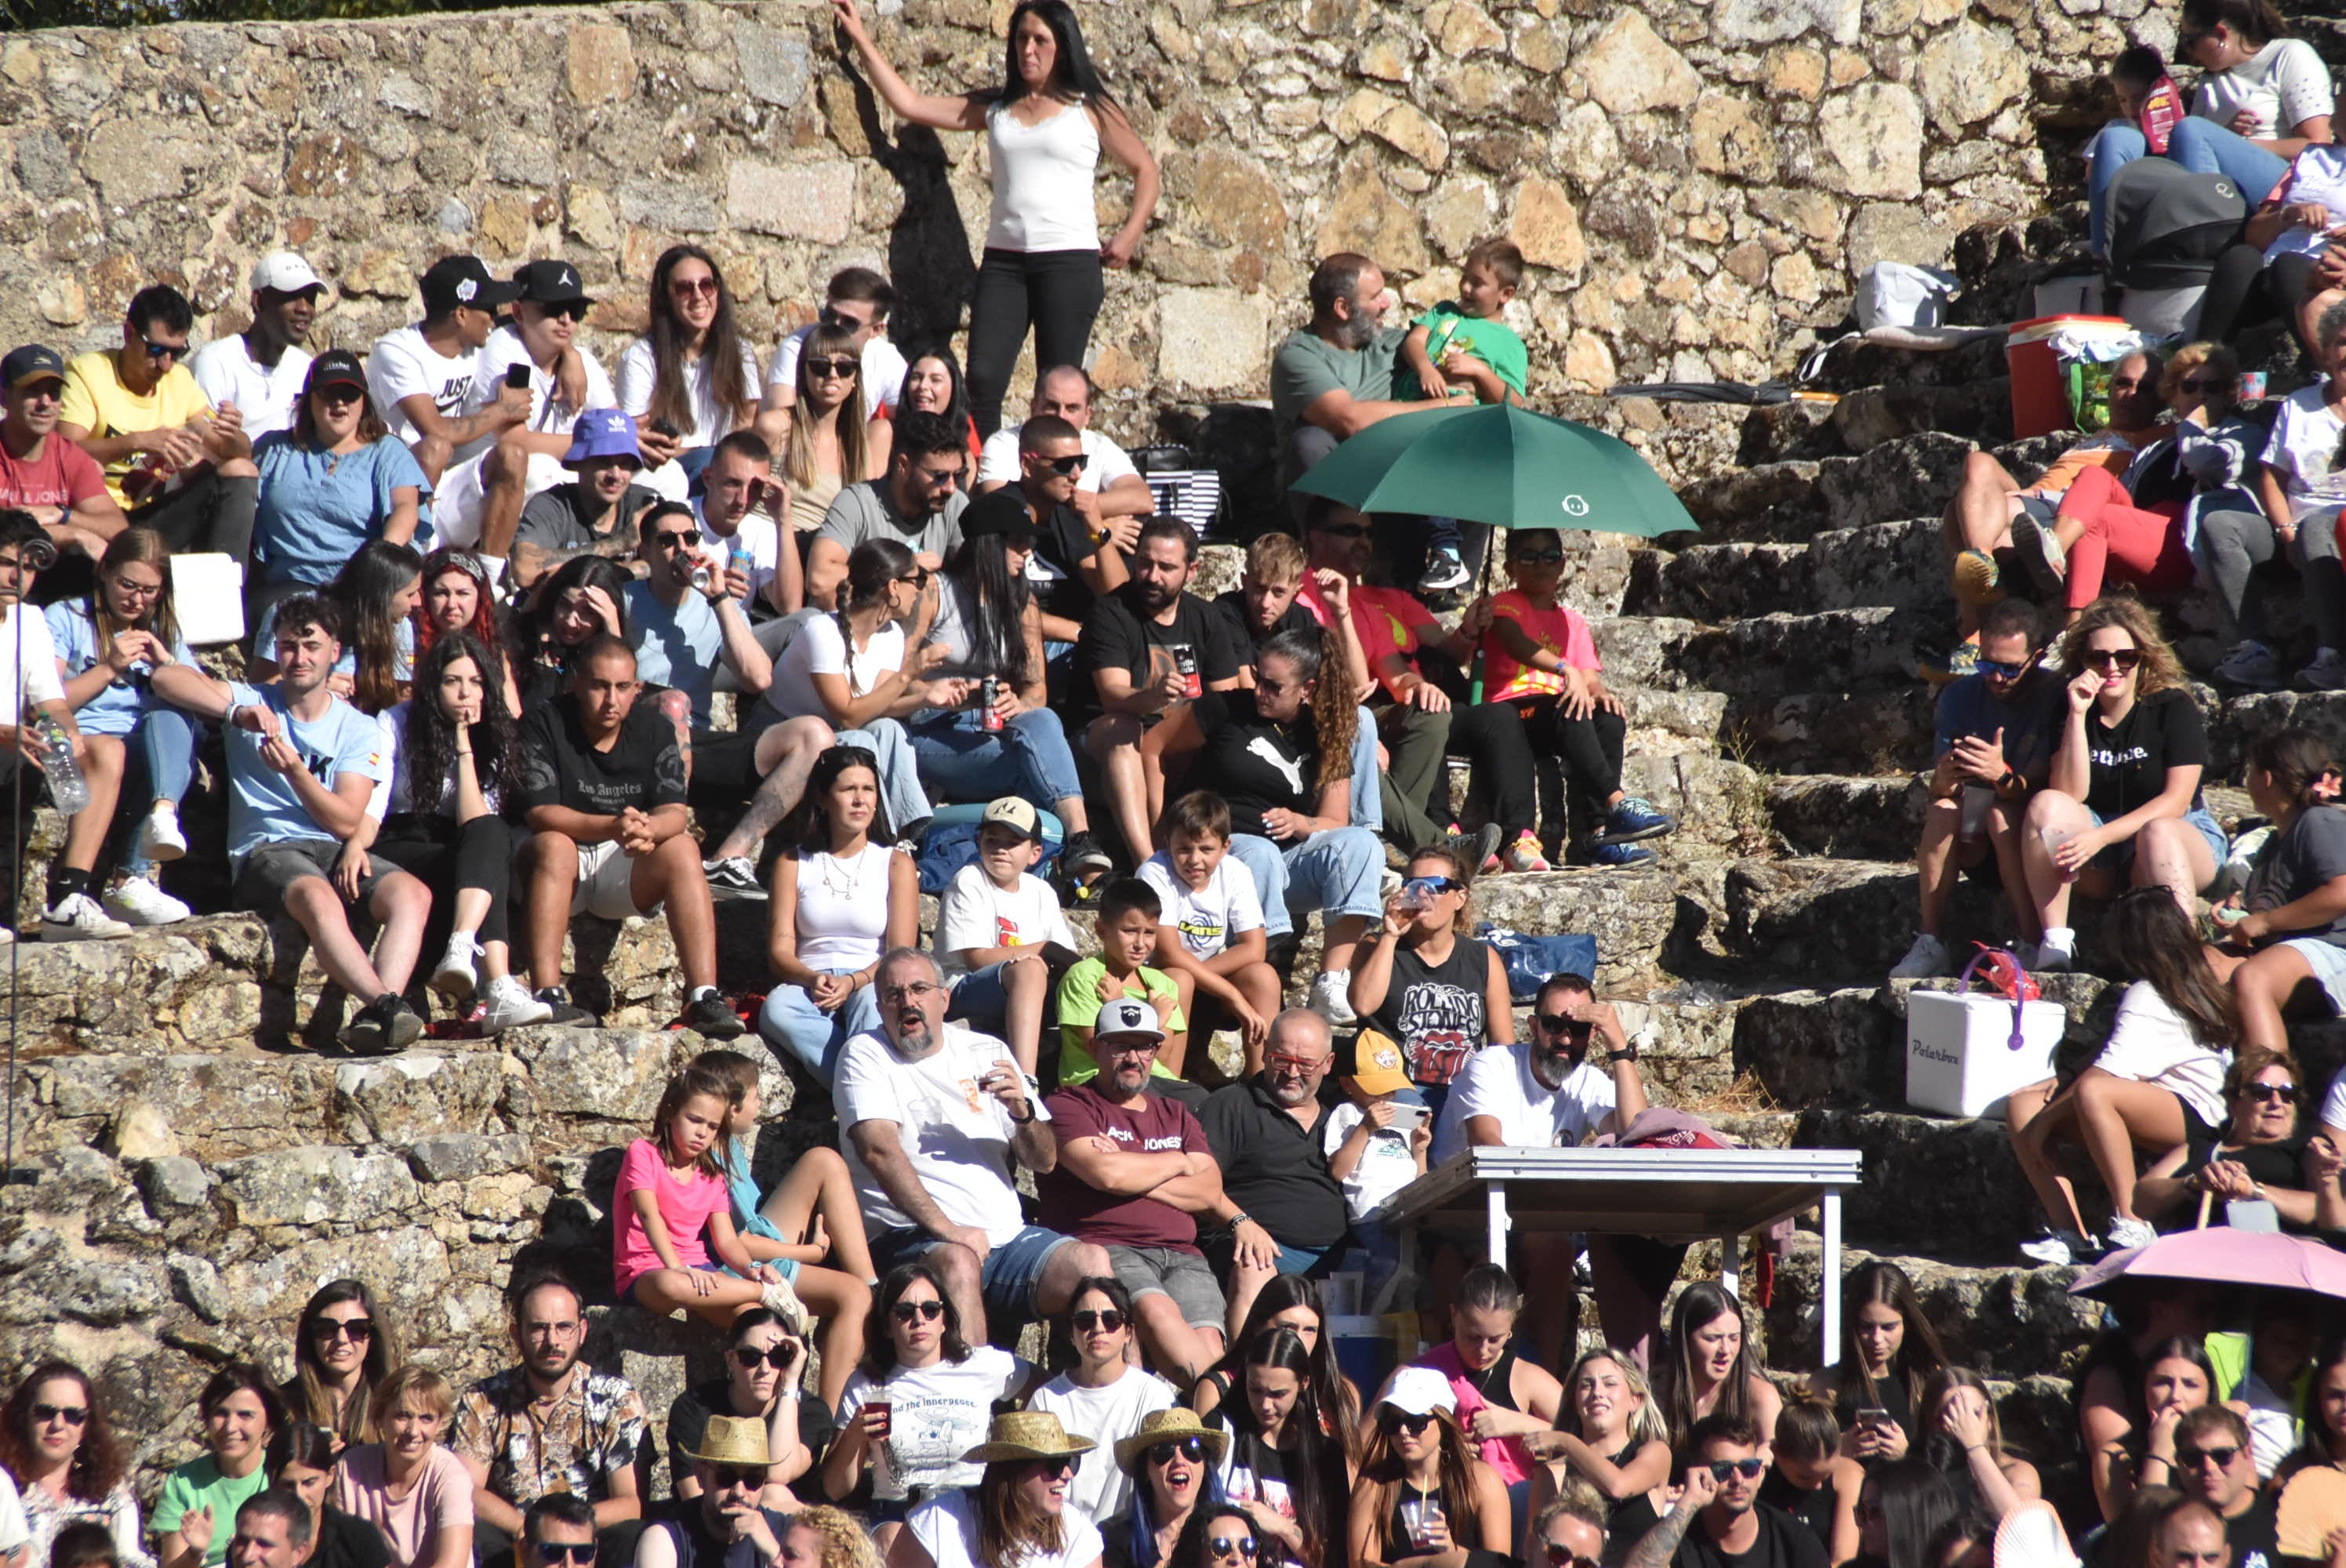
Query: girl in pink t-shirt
x,y
1539,660
671,1193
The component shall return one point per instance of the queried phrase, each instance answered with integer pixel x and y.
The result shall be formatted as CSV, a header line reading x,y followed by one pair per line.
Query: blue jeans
x,y
791,1022
2201,146
959,760
1008,1279
1367,804
1335,872
165,748
901,795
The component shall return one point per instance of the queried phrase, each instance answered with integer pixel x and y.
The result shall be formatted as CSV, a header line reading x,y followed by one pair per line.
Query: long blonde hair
x,y
847,420
2159,668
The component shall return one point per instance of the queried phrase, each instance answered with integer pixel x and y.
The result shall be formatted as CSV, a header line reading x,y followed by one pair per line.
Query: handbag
x,y
1531,960
2004,978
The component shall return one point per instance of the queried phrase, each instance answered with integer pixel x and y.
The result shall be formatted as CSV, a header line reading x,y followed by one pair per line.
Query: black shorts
x,y
724,768
269,873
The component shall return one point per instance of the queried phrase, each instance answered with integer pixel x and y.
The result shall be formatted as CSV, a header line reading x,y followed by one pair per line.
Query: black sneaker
x,y
733,876
708,1016
1083,856
1477,848
565,1011
384,1025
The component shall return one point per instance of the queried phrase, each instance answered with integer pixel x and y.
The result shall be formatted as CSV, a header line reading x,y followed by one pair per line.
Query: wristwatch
x,y
1627,1054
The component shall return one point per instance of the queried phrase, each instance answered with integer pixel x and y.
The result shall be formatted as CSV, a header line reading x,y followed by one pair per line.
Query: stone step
x,y
1895,565
1952,1183
1846,816
1835,651
1794,500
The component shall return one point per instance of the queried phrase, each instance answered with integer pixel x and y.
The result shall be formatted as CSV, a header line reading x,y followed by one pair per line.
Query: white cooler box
x,y
1960,1060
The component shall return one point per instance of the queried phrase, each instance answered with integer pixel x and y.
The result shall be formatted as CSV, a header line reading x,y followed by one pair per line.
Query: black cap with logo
x,y
454,280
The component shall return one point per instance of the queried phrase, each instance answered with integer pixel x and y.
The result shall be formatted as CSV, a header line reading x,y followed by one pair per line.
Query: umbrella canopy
x,y
2222,1256
1500,465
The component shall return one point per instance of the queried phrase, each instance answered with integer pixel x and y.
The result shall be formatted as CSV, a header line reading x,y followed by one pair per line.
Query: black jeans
x,y
1491,735
1056,292
1590,750
448,858
208,513
2242,291
15,823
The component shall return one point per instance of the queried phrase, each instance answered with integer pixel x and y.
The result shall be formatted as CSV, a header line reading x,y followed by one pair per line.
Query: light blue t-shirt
x,y
677,647
116,709
402,648
262,808
318,507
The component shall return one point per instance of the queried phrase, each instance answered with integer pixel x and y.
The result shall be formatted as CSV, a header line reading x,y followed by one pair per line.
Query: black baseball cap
x,y
337,367
29,364
549,283
454,280
1002,511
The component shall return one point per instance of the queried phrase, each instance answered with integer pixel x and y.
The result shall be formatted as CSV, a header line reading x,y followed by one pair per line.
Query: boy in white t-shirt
x,y
1376,1142
998,922
1210,937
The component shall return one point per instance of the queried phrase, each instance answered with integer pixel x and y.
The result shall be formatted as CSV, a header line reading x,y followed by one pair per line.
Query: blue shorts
x,y
1009,1277
980,995
2328,962
2120,856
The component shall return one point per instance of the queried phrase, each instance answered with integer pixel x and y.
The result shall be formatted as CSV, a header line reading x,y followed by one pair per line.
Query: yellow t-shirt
x,y
95,399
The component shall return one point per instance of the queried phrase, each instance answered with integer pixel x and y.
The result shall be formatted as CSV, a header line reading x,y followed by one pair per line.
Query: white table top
x,y
1667,1194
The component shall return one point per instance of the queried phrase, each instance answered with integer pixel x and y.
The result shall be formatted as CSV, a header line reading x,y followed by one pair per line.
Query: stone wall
x,y
1693,183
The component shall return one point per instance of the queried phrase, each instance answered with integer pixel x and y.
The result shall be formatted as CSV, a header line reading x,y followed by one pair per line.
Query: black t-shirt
x,y
1064,544
1783,1543
559,766
1256,764
2309,851
2254,1536
2130,757
696,1547
1813,1508
2278,1165
1273,1166
346,1540
1436,1012
1244,636
687,1421
1118,635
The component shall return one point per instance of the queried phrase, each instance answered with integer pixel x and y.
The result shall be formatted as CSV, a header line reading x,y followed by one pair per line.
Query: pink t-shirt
x,y
1561,631
684,1205
440,1500
1507,1455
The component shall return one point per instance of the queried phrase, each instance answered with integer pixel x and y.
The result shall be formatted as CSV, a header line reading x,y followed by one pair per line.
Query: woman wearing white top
x,y
692,377
1044,129
1021,1515
848,669
840,900
1103,1395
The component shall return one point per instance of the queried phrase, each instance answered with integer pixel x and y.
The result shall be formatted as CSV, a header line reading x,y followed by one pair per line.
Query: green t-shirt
x,y
1493,342
198,1485
1079,1007
1306,367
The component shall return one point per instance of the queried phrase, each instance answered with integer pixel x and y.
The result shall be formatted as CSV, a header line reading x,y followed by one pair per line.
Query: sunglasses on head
x,y
1188,1448
72,1415
840,369
1224,1545
358,1330
2276,1093
580,1552
156,350
1072,464
1108,1321
1394,1420
929,1311
726,1476
778,1356
681,538
2189,1457
2112,658
1749,1469
1562,1556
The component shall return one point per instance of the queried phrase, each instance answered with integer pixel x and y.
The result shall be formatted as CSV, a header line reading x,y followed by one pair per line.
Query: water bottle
x,y
68,790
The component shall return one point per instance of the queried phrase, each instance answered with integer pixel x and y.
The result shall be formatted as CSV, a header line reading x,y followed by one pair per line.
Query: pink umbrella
x,y
2222,1256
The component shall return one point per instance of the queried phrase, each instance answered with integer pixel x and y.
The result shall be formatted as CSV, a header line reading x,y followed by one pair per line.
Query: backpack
x,y
2168,225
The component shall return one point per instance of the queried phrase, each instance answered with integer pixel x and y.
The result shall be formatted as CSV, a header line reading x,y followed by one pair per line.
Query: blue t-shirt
x,y
116,709
402,648
677,647
318,507
2031,721
262,808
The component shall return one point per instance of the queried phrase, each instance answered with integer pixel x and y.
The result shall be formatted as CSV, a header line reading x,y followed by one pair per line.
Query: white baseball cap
x,y
286,273
1127,1017
1419,1391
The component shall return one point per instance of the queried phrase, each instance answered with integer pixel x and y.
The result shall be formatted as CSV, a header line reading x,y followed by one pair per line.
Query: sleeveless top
x,y
810,503
1473,1390
1435,1012
1630,1517
842,909
1043,178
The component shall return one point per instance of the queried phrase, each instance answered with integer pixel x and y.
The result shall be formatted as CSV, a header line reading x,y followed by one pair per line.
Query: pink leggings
x,y
2132,543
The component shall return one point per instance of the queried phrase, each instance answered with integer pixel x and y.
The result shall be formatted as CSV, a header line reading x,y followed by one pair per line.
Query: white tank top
x,y
1042,181
842,913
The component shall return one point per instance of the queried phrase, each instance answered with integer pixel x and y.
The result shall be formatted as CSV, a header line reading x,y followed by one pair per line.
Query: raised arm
x,y
962,111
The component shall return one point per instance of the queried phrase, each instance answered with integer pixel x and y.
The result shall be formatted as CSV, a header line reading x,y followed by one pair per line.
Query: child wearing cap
x,y
1376,1143
997,921
1209,936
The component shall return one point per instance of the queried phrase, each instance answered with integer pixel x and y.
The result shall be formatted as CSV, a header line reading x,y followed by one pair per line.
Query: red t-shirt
x,y
63,475
1108,1219
1384,619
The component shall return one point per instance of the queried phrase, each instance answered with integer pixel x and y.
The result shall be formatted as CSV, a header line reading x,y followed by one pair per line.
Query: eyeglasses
x,y
72,1415
1394,1420
1106,1322
156,350
1223,1546
2191,1458
1562,1556
1188,1448
567,310
1535,557
565,1551
1298,1065
1072,464
1564,1022
837,370
691,286
358,1330
2273,1093
725,1477
682,538
776,1357
2112,658
1749,1469
1345,530
900,992
2004,669
929,1310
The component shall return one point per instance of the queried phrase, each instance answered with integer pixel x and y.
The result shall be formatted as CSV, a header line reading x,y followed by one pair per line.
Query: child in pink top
x,y
671,1193
1540,659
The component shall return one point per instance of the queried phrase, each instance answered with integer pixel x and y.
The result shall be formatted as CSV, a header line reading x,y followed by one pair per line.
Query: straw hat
x,y
1026,1434
1169,1425
733,1439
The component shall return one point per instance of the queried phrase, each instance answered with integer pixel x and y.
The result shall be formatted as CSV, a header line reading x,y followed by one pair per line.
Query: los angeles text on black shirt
x,y
2130,757
560,766
1256,764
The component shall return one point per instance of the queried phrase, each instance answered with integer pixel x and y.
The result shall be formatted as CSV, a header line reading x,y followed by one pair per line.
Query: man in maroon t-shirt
x,y
54,480
1134,1173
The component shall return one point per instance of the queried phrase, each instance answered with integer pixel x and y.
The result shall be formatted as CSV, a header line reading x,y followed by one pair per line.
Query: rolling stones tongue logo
x,y
1441,1026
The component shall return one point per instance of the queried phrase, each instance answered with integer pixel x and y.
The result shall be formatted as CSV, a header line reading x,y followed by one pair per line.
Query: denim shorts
x,y
1182,1278
2120,856
979,996
1009,1277
2328,962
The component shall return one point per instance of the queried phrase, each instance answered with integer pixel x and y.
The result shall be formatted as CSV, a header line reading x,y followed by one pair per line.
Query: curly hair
x,y
2160,669
846,1543
485,625
96,1469
431,742
1334,717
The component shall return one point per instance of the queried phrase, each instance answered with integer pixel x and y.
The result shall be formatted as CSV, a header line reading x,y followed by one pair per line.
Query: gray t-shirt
x,y
867,511
1306,367
563,519
2309,853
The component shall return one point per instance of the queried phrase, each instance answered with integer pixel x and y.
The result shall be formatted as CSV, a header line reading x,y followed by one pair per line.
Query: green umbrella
x,y
1500,465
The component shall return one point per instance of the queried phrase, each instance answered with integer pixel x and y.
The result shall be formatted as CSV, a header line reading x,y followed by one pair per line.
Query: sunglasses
x,y
339,394
830,317
1562,1556
1394,1420
1345,530
1428,886
1101,1322
565,1551
929,1311
839,370
726,1476
691,286
1564,1022
156,350
72,1415
2190,1458
1189,1448
2202,383
936,480
1064,466
2274,1094
358,1330
682,538
567,310
1223,1546
1535,558
2004,669
918,577
2112,658
749,1356
1749,1469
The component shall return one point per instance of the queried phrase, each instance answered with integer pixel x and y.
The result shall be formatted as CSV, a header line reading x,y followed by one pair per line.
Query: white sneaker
x,y
2058,1248
2326,673
2128,1233
456,978
77,918
159,838
2249,665
1443,571
1331,997
2056,953
1926,960
141,902
506,1003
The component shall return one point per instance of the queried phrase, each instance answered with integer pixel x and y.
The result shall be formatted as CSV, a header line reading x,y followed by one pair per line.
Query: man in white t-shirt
x,y
933,1118
421,377
857,302
32,684
1108,486
261,369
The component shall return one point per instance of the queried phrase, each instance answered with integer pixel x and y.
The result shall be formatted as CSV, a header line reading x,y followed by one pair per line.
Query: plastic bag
x,y
1901,294
1530,960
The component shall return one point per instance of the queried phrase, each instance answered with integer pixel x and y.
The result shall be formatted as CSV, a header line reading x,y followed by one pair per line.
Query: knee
x,y
406,895
432,453
104,755
1089,1260
825,1161
510,457
956,1264
2048,805
551,854
1109,732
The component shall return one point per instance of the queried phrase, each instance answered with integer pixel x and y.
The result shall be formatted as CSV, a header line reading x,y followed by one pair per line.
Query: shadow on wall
x,y
929,257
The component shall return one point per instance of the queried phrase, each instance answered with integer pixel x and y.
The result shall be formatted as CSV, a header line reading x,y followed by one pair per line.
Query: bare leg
x,y
545,910
103,762
1246,1282
1065,1269
708,1294
470,908
496,960
2262,987
317,908
2035,1124
671,876
960,1271
1114,742
1340,937
786,755
819,1186
1028,985
2119,1115
402,903
2049,811
1184,1353
505,485
1934,861
2004,832
840,1303
2170,853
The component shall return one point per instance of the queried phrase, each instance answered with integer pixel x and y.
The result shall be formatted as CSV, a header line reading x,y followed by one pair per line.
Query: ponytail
x,y
1334,718
2299,763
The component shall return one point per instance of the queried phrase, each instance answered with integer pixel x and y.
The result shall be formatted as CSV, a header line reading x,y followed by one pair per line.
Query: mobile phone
x,y
517,375
1407,1118
1873,1415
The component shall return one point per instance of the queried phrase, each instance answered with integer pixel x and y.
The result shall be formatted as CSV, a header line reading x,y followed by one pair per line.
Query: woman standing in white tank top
x,y
1044,129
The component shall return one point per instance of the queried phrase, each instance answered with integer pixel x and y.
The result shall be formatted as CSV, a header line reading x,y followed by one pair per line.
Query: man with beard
x,y
552,1425
1719,1520
1333,379
918,502
261,369
1547,1092
596,511
1149,648
934,1118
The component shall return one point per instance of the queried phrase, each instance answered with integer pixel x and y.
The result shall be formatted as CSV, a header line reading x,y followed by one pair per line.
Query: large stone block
x,y
1874,134
797,201
1967,72
1627,68
1212,340
318,1186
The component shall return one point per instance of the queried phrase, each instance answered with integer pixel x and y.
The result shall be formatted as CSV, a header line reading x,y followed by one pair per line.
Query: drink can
x,y
2252,386
989,692
887,1416
703,578
1977,798
1185,659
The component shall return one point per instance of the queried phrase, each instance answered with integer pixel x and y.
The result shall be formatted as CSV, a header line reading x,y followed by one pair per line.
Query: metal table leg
x,y
1730,1265
1828,1280
1495,1198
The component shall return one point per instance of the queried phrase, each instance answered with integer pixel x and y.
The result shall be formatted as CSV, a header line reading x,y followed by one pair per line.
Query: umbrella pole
x,y
1474,689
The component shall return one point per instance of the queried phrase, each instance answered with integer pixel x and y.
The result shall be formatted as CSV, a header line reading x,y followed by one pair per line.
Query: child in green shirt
x,y
1128,913
1463,348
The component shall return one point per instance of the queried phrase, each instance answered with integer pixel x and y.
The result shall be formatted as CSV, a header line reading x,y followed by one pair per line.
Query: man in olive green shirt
x,y
1333,379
